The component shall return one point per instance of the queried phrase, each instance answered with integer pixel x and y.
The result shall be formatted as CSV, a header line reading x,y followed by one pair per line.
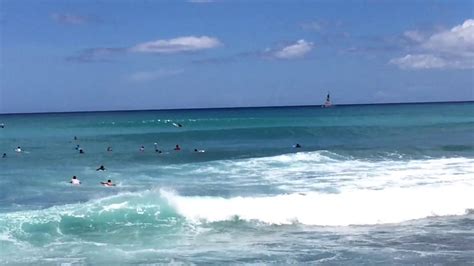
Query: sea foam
x,y
358,207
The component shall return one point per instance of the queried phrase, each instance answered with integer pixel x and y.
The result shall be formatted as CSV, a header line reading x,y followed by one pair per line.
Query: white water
x,y
367,192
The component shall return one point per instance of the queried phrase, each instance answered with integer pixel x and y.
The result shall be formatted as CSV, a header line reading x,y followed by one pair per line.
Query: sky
x,y
89,55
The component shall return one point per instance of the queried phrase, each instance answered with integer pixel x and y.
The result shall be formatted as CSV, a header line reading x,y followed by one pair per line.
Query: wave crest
x,y
359,207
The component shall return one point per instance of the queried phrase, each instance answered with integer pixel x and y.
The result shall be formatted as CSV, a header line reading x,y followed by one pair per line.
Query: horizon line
x,y
232,107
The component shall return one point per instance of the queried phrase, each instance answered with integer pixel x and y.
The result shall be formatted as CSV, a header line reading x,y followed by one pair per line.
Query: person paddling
x,y
108,183
75,181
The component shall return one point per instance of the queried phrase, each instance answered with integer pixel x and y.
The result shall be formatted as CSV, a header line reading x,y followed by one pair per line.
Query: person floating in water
x,y
177,148
297,145
4,155
156,147
108,183
109,148
18,149
75,181
142,148
101,168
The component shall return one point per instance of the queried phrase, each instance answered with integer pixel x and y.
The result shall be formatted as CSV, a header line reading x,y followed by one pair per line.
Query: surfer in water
x,y
156,147
196,150
75,181
108,183
297,146
101,168
177,148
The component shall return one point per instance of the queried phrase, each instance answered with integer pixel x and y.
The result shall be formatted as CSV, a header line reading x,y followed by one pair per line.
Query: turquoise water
x,y
371,184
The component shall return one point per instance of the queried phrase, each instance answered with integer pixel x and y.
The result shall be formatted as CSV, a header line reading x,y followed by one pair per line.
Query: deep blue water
x,y
375,184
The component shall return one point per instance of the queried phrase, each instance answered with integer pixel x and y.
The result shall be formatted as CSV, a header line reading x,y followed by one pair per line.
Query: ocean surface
x,y
374,184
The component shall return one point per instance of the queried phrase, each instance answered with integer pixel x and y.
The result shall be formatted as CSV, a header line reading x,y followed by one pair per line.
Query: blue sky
x,y
109,55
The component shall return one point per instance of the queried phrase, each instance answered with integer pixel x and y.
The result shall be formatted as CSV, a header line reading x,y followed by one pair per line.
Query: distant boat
x,y
328,103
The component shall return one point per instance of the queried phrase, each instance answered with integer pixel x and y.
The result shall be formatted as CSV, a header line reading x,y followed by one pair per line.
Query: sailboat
x,y
328,103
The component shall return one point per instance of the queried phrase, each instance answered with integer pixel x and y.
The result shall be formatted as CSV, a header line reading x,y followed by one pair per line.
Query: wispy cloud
x,y
414,35
96,55
71,19
177,45
297,50
453,48
293,51
420,61
171,46
146,76
317,26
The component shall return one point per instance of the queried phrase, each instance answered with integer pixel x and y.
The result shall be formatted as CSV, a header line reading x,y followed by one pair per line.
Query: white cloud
x,y
459,40
452,48
177,45
419,61
145,76
296,50
414,36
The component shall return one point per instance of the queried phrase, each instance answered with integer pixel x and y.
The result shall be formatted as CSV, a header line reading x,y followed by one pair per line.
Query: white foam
x,y
322,170
115,206
368,192
356,207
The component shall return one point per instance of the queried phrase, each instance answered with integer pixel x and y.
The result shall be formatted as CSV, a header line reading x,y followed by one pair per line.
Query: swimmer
x,y
109,148
18,149
81,151
142,148
2,125
75,181
297,145
156,147
77,147
4,155
101,168
196,150
108,183
177,148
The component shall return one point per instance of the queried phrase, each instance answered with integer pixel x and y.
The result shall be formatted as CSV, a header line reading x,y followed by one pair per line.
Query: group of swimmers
x,y
17,150
107,183
141,149
76,181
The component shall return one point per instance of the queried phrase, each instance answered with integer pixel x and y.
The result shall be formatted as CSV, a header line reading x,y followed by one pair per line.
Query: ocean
x,y
371,184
